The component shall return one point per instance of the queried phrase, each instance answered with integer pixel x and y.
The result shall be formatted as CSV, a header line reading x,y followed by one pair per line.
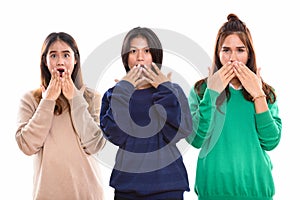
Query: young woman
x,y
59,124
145,115
235,121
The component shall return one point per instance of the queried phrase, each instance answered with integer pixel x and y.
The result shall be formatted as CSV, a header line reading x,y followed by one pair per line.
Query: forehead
x,y
233,40
59,45
139,42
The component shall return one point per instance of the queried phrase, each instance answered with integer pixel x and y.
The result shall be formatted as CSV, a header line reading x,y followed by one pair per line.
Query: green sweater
x,y
233,163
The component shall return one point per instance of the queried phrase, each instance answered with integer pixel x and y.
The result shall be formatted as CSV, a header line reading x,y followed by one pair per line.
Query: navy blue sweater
x,y
146,124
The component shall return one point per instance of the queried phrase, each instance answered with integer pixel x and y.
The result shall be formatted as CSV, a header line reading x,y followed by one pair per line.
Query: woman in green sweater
x,y
235,121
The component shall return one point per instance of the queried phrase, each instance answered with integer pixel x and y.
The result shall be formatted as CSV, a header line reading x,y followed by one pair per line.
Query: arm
x,y
178,122
34,123
269,125
116,110
85,118
202,110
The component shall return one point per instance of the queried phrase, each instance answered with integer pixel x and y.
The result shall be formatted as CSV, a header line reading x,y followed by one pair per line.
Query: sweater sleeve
x,y
85,119
33,123
178,120
202,110
268,126
114,109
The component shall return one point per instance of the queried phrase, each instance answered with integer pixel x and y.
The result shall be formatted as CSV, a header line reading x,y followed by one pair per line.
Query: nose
x,y
60,61
233,57
140,55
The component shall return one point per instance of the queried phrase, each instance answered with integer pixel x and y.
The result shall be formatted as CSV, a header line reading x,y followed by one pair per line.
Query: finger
x,y
238,73
67,74
210,71
229,74
150,73
157,70
240,70
229,77
169,75
258,72
243,68
152,82
116,80
139,81
133,72
53,74
227,68
42,88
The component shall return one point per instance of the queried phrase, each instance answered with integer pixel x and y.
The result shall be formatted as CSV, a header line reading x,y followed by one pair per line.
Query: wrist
x,y
258,96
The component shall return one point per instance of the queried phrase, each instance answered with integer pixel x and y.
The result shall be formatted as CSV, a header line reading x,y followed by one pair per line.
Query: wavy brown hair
x,y
61,102
235,26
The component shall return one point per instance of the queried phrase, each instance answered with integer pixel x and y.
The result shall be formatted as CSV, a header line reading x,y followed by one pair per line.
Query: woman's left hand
x,y
251,82
68,87
155,78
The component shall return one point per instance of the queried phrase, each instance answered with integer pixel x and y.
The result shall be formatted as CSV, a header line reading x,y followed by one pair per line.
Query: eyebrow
x,y
141,48
65,51
239,47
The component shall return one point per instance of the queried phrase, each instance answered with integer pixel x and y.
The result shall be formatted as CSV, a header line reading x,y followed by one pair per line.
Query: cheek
x,y
50,64
224,58
70,66
131,60
243,58
148,60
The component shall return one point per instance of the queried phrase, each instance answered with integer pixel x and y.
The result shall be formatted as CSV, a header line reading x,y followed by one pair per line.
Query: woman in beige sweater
x,y
59,124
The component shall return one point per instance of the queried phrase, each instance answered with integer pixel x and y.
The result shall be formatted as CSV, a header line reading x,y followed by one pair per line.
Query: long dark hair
x,y
45,73
153,43
235,26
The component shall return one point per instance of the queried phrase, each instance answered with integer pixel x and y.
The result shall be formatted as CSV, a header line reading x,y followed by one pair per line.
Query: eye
x,y
132,51
53,55
66,55
147,50
241,50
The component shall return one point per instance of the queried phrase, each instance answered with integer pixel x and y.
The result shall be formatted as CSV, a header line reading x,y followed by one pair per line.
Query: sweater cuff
x,y
263,118
77,98
210,96
164,86
47,105
125,85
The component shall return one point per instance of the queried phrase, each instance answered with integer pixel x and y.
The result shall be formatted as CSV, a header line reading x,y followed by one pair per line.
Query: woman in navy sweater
x,y
145,115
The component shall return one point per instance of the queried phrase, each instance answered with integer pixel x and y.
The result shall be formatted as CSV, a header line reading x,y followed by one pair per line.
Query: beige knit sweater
x,y
63,147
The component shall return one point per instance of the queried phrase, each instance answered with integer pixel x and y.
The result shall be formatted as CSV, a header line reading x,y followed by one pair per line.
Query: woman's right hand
x,y
219,80
134,76
54,88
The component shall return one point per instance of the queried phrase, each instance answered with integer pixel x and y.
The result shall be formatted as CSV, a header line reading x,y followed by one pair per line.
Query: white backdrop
x,y
25,24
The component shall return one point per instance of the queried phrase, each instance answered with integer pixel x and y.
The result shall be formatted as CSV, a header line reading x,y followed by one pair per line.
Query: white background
x,y
25,24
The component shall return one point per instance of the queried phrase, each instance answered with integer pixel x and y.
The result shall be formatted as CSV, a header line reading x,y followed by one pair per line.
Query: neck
x,y
143,85
235,83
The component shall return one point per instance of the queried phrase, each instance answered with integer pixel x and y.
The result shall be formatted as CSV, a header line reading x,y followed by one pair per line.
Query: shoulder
x,y
28,98
108,92
29,95
91,94
171,85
